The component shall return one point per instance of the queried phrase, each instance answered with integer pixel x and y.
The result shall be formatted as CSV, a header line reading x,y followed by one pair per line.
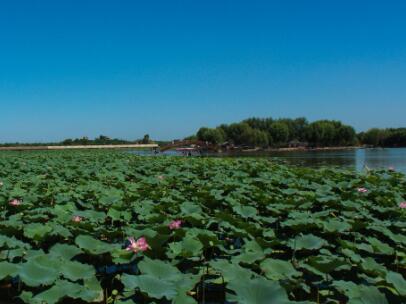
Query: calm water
x,y
356,159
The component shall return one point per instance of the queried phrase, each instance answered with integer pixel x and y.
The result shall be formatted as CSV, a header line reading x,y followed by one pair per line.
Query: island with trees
x,y
296,133
264,133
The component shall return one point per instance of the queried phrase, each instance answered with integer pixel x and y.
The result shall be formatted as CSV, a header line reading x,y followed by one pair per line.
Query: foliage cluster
x,y
101,140
384,137
268,132
252,231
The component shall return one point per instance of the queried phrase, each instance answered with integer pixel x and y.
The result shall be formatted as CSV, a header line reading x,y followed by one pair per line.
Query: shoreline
x,y
290,149
315,149
28,148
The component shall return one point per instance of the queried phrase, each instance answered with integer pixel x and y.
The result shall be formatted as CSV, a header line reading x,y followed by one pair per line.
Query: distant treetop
x,y
286,132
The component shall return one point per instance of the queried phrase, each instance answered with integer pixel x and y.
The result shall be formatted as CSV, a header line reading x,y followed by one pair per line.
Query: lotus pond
x,y
111,227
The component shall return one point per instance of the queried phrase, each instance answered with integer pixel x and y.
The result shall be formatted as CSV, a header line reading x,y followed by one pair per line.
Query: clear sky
x,y
72,68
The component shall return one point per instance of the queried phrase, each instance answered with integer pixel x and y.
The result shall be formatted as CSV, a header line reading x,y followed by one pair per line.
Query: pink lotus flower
x,y
1,184
15,202
175,224
402,205
139,245
161,177
77,219
362,190
391,168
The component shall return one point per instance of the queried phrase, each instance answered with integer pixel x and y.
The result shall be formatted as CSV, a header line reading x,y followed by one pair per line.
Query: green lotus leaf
x,y
90,215
36,231
188,247
248,257
370,266
39,271
300,224
12,242
275,269
252,252
91,245
13,253
183,285
397,238
269,233
28,297
59,230
356,258
365,247
327,264
159,269
397,280
189,208
60,290
64,251
154,287
308,241
380,247
111,197
231,271
91,291
258,291
65,289
245,211
8,270
118,215
360,294
121,256
76,271
334,225
30,254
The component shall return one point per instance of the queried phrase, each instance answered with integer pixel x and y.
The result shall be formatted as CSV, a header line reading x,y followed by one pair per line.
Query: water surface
x,y
356,159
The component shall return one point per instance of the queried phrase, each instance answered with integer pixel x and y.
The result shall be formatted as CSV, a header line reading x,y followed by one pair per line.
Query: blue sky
x,y
125,68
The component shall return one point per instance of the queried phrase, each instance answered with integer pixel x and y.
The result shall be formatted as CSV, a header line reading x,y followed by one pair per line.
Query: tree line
x,y
266,133
286,132
391,137
83,141
105,140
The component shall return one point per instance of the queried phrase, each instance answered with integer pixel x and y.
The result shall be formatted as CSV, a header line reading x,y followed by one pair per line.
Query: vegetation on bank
x,y
101,140
110,227
384,137
269,132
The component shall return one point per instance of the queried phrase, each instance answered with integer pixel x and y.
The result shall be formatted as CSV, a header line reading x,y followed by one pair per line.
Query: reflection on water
x,y
382,158
319,158
356,158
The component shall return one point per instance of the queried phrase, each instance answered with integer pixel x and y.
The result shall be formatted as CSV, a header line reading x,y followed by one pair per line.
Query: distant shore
x,y
28,148
315,149
289,149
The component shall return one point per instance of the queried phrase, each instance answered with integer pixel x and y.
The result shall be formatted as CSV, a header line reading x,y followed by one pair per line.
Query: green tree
x,y
146,139
67,142
235,132
346,136
214,136
191,137
395,138
299,128
254,138
374,137
279,132
323,133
